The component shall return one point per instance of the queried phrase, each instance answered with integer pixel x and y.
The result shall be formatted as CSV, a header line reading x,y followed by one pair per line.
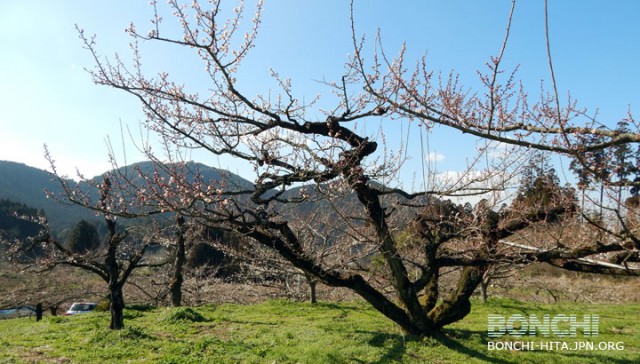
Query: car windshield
x,y
82,307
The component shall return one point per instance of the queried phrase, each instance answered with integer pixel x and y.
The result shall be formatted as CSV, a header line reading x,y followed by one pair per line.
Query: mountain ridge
x,y
24,184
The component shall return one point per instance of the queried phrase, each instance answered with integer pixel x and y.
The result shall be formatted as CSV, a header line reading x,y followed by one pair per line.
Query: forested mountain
x,y
17,220
26,185
191,168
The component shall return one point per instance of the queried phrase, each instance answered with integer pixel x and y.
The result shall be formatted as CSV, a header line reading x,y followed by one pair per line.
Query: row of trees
x,y
116,258
291,143
617,166
16,220
179,248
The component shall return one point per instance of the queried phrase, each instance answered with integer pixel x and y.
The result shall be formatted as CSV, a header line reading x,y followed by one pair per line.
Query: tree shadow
x,y
453,339
512,306
602,358
336,306
396,346
395,353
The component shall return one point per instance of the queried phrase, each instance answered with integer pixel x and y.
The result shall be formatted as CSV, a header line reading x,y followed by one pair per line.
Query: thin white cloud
x,y
436,157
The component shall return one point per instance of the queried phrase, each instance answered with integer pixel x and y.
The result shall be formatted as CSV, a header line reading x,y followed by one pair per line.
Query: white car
x,y
81,307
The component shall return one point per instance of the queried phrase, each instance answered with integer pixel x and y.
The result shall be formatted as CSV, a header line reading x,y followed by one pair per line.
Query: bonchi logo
x,y
558,325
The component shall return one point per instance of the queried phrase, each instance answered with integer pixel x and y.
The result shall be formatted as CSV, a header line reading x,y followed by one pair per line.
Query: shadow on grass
x,y
394,353
336,306
142,307
396,346
514,307
454,340
579,358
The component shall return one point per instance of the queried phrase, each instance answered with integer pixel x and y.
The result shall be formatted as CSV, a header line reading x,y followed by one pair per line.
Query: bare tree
x,y
51,289
287,145
113,263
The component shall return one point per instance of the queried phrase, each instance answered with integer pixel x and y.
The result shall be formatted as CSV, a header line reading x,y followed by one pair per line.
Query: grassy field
x,y
288,332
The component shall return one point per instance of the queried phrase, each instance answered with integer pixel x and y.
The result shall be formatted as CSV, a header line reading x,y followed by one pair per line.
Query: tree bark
x,y
116,307
457,305
180,258
115,288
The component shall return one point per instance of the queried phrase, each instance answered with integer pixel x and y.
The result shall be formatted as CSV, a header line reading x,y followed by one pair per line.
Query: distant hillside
x,y
27,185
16,220
231,180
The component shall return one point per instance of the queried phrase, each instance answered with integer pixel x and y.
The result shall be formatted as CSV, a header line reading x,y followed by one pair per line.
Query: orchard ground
x,y
282,331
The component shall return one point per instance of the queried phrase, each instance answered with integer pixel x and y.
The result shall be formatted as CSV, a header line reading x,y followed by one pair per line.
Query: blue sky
x,y
47,97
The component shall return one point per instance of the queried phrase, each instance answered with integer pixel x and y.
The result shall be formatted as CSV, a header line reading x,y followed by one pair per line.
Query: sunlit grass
x,y
288,332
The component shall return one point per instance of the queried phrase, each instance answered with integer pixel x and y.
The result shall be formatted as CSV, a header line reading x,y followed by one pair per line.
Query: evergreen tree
x,y
624,166
635,189
584,181
83,238
592,167
540,187
17,220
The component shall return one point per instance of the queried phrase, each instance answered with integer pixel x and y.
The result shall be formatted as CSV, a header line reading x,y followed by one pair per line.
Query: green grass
x,y
287,332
